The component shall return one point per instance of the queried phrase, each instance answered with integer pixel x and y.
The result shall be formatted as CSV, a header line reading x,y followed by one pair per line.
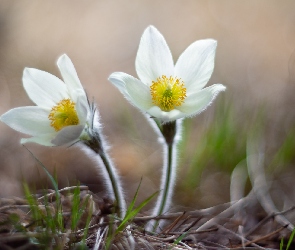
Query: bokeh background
x,y
255,59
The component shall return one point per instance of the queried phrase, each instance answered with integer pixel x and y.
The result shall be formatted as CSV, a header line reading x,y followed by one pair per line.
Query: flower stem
x,y
169,132
165,196
113,182
117,189
164,200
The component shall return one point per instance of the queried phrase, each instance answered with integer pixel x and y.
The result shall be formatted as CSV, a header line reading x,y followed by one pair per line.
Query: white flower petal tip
x,y
220,87
118,80
196,64
166,91
62,110
31,120
133,90
63,59
153,57
69,74
199,101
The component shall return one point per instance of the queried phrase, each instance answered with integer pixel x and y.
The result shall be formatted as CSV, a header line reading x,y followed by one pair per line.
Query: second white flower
x,y
62,115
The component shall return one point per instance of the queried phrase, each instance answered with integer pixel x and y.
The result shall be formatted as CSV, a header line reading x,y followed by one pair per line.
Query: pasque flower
x,y
62,115
164,90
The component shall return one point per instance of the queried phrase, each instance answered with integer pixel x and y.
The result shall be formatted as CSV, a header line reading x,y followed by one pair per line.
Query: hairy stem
x,y
116,185
169,132
168,179
113,180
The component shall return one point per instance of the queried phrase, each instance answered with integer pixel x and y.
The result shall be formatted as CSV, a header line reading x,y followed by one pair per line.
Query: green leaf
x,y
290,239
282,244
180,238
54,183
131,213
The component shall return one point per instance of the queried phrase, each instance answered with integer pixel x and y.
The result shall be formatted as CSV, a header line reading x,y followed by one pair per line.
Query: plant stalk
x,y
168,133
116,185
113,182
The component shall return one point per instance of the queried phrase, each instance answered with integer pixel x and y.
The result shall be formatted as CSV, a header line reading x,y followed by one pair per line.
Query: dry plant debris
x,y
239,225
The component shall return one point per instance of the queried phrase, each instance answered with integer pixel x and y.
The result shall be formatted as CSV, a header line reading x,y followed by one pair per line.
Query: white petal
x,y
44,140
70,77
199,101
153,57
82,109
68,135
118,79
28,120
172,115
134,90
139,94
43,88
195,65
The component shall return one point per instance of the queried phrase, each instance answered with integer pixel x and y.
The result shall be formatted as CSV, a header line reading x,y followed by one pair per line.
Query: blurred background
x,y
255,59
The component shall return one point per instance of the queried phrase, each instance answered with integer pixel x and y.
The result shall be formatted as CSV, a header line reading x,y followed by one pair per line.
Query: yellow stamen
x,y
168,93
63,114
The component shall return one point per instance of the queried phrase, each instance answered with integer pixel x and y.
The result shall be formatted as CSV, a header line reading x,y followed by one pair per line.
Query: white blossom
x,y
164,90
62,113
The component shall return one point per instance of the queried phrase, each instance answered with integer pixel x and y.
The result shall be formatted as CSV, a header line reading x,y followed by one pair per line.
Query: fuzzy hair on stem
x,y
169,136
99,147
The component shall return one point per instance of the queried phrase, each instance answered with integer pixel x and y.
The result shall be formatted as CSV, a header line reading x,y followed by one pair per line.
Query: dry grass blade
x,y
170,227
62,191
271,216
227,213
263,238
194,214
212,228
239,237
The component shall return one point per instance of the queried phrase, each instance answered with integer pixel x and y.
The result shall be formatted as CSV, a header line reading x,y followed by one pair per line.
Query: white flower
x,y
167,91
62,110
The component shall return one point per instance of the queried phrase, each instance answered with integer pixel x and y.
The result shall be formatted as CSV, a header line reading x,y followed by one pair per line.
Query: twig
x,y
266,219
13,207
156,239
202,212
213,243
264,237
82,188
169,228
194,231
21,236
240,237
227,213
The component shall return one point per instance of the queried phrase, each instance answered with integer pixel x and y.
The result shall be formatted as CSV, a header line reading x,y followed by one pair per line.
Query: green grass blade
x,y
87,224
110,234
36,214
290,239
282,244
75,208
129,216
180,238
54,183
58,216
130,207
80,212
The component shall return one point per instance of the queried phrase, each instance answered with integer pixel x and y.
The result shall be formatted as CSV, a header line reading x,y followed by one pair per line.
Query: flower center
x,y
63,114
168,93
